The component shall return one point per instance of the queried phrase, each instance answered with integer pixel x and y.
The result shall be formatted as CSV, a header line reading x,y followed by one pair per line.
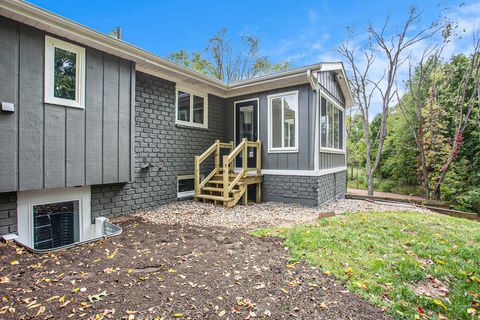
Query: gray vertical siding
x,y
331,160
331,86
48,146
8,93
304,158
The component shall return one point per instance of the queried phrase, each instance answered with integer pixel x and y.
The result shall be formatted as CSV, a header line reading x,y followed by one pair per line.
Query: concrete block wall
x,y
168,148
8,213
305,190
290,189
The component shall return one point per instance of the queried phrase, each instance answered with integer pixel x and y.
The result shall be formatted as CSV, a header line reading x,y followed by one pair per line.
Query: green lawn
x,y
385,256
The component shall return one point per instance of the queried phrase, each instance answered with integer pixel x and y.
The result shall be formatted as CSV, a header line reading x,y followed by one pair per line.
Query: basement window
x,y
186,186
64,73
55,224
191,108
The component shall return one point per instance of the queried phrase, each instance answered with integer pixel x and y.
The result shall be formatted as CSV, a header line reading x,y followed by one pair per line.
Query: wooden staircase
x,y
224,184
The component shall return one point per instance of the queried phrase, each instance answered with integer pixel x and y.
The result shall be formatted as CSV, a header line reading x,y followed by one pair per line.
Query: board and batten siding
x,y
330,86
50,146
304,158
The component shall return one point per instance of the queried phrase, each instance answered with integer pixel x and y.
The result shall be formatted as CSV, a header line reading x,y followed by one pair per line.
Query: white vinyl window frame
x,y
342,128
192,93
282,149
190,193
28,199
50,45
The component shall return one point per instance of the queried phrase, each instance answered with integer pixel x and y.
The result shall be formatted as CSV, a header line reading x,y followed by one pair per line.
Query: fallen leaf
x,y
439,303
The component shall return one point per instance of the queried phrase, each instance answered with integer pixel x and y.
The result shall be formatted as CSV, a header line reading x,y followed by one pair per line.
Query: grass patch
x,y
387,256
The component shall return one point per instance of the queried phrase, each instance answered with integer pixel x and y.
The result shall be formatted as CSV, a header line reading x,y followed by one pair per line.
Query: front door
x,y
246,126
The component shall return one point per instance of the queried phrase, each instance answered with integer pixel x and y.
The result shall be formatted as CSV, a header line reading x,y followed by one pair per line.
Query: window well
x,y
55,224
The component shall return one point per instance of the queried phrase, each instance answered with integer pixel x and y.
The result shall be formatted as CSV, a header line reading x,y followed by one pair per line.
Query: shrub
x,y
469,201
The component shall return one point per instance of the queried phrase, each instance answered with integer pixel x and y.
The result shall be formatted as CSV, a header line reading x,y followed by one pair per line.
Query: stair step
x,y
218,189
210,197
221,182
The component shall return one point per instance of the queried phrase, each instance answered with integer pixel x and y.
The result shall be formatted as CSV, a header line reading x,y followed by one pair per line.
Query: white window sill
x,y
185,195
191,124
64,102
283,150
329,150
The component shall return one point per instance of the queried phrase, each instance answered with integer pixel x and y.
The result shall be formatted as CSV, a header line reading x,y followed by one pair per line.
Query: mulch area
x,y
161,271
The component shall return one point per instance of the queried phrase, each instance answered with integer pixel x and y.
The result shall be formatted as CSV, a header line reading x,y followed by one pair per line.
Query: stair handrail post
x,y
217,155
232,164
259,157
197,175
244,157
226,175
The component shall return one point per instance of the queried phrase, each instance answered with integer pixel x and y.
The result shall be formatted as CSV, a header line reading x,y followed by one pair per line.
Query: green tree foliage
x,y
441,113
223,61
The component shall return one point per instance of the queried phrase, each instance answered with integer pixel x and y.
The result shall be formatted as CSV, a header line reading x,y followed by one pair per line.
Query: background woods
x,y
432,130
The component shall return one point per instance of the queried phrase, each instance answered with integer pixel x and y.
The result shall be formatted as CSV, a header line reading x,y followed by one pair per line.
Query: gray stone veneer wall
x,y
169,149
306,190
8,213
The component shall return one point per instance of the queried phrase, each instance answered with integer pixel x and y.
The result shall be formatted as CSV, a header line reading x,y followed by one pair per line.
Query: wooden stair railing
x,y
231,190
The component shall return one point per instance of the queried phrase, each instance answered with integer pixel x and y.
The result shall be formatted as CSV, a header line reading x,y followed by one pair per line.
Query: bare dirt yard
x,y
173,270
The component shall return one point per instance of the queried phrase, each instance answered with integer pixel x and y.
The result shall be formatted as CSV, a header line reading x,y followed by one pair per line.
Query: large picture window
x,y
331,124
192,108
64,73
283,122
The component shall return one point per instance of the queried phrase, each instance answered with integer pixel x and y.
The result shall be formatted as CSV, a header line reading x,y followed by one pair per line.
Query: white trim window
x,y
191,108
64,73
186,186
283,122
332,120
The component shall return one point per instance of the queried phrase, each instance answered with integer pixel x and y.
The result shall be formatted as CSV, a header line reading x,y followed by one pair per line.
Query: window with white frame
x,y
331,124
283,122
64,73
186,186
192,108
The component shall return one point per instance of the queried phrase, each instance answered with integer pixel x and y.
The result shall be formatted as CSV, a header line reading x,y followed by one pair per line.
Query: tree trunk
x,y
443,172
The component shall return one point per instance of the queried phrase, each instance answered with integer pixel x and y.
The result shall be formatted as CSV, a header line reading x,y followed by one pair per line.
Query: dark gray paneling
x,y
124,121
54,146
110,119
304,158
331,86
331,160
30,109
75,147
94,117
44,145
8,93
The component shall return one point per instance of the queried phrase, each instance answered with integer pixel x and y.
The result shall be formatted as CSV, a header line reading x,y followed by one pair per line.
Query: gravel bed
x,y
258,215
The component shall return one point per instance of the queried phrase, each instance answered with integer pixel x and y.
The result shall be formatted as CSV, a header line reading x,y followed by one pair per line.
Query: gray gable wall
x,y
50,146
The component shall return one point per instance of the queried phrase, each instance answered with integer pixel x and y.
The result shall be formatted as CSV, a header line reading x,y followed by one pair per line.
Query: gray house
x,y
93,127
